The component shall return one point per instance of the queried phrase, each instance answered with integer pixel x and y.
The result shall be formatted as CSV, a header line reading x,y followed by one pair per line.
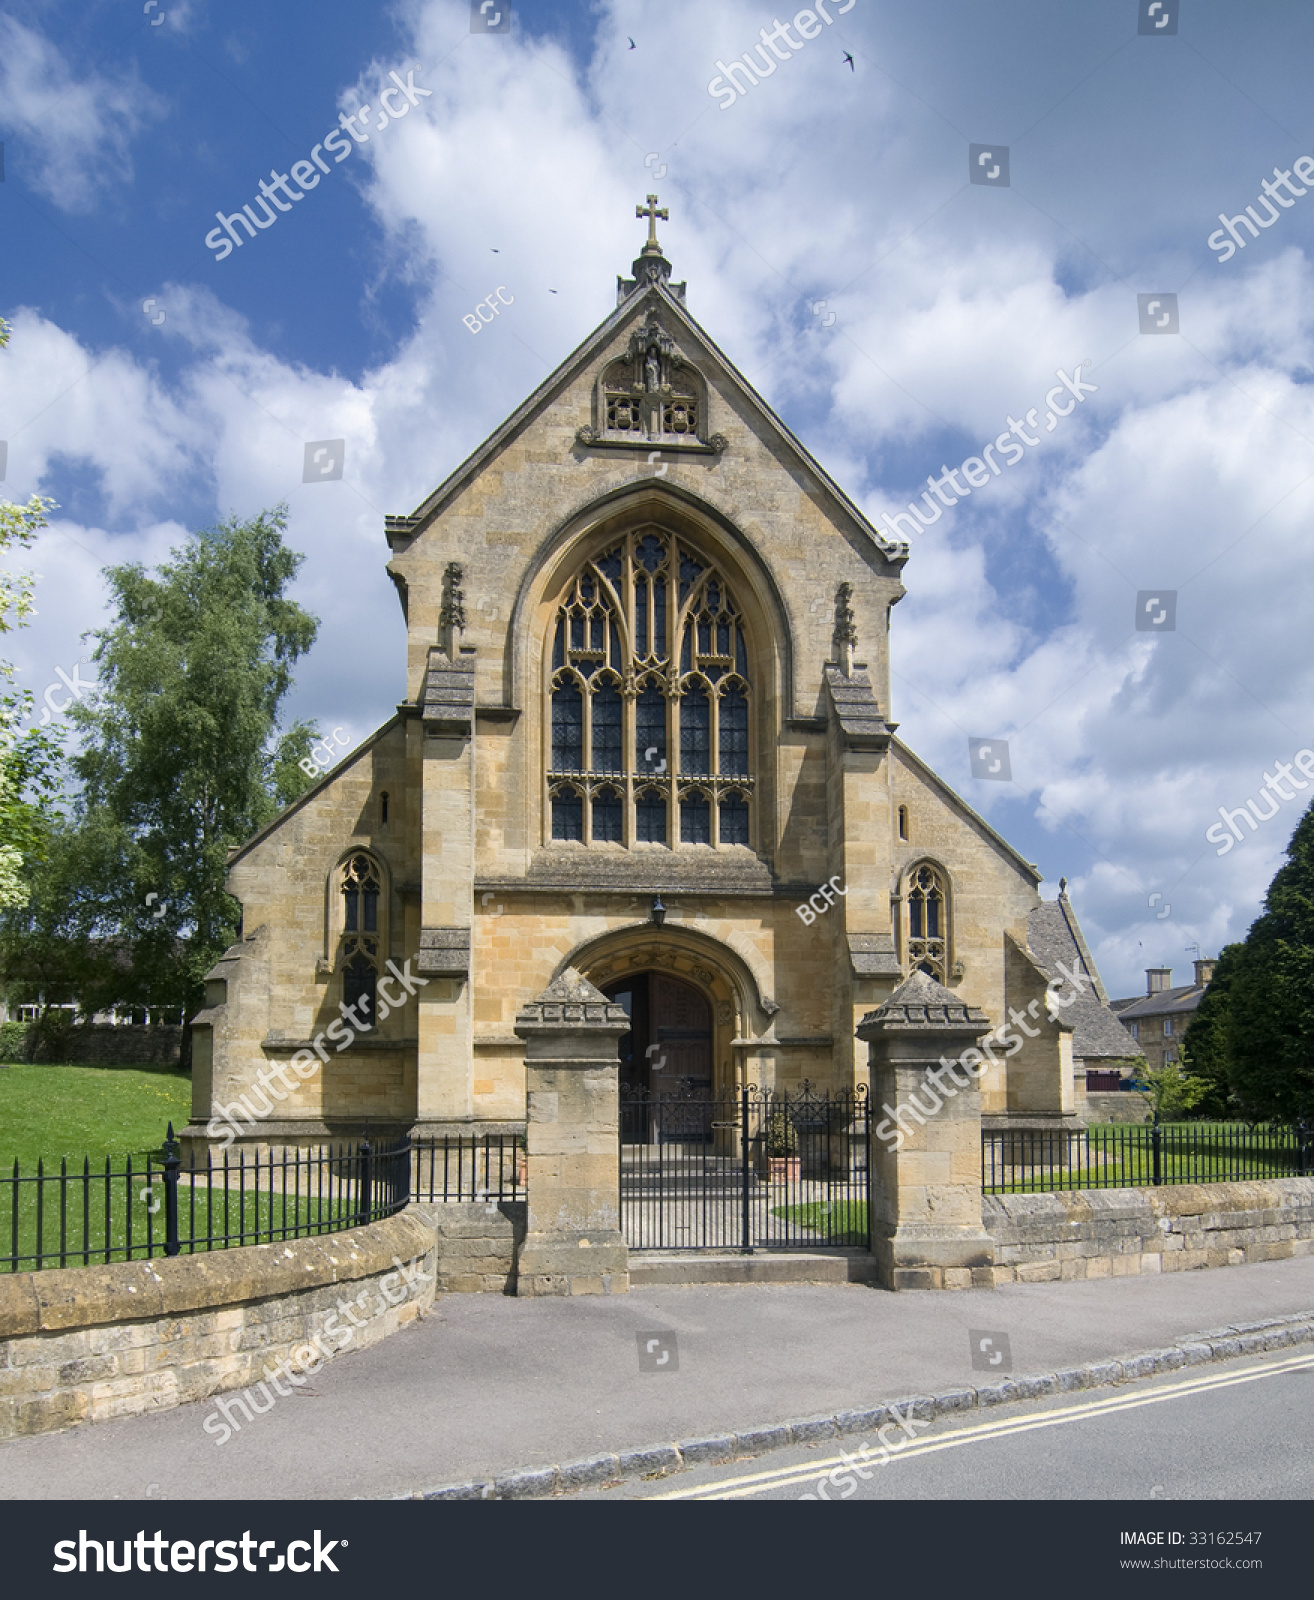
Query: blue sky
x,y
950,306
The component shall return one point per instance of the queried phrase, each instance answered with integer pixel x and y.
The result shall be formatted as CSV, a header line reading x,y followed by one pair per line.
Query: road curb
x,y
1197,1349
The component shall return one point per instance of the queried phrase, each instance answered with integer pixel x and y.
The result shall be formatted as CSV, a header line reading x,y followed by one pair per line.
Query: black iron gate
x,y
756,1169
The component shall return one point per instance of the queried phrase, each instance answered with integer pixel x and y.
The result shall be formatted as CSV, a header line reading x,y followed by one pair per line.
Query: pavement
x,y
488,1384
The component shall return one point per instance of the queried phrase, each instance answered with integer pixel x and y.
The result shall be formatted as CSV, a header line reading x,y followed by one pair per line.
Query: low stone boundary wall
x,y
1113,1233
1116,1106
96,1044
84,1344
478,1243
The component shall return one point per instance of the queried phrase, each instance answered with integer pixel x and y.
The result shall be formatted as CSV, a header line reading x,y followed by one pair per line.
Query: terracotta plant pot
x,y
779,1169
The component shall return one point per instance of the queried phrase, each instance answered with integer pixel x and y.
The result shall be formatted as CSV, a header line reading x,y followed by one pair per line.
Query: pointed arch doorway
x,y
667,1059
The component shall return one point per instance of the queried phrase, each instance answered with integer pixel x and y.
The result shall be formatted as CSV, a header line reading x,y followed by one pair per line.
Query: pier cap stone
x,y
921,1005
570,1004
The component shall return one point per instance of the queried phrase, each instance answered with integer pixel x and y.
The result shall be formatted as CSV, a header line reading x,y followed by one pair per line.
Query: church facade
x,y
646,735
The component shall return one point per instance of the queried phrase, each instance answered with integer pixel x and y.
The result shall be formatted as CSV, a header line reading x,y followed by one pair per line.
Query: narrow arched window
x,y
650,701
359,952
926,937
903,822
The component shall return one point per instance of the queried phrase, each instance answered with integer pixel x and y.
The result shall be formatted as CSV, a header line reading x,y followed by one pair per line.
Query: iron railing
x,y
1135,1156
171,1206
749,1170
489,1166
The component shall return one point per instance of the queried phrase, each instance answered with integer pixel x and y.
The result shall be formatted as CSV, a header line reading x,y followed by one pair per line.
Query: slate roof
x,y
1167,1003
1054,935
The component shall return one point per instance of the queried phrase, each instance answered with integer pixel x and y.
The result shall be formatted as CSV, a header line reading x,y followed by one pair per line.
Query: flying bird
x,y
849,59
552,291
631,41
493,248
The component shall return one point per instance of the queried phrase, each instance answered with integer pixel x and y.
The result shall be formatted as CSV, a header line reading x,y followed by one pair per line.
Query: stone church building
x,y
646,734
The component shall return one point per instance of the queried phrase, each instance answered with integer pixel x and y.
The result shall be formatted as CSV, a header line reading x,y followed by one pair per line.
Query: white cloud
x,y
75,131
1187,469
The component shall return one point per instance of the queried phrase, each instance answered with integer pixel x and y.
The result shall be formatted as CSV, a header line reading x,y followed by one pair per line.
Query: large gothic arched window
x,y
650,697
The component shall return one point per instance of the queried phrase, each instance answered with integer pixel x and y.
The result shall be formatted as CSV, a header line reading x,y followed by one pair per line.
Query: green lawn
x,y
1119,1155
840,1221
54,1111
123,1113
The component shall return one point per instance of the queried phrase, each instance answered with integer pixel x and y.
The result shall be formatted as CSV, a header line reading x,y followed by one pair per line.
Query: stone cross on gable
x,y
652,211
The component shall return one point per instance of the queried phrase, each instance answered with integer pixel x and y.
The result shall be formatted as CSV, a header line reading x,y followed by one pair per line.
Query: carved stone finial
x,y
451,615
846,634
650,266
652,211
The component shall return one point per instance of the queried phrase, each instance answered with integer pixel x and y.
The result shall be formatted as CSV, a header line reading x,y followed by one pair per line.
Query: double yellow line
x,y
747,1485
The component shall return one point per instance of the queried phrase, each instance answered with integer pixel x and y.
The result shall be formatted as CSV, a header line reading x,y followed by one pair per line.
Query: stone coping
x,y
60,1299
530,1483
1224,1198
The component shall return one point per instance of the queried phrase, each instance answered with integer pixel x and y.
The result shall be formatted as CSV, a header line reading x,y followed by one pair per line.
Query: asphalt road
x,y
1240,1430
489,1384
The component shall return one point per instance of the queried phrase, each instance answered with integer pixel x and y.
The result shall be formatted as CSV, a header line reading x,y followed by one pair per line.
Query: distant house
x,y
1099,1039
1159,1018
29,995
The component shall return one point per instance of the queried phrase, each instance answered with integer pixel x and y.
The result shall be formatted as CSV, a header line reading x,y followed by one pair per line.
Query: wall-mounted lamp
x,y
658,912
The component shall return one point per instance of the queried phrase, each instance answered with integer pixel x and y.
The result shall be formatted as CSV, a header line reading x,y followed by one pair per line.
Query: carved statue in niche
x,y
650,392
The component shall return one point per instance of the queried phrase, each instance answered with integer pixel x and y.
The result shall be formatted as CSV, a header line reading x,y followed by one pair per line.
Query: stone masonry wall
x,y
84,1344
477,1245
1114,1233
1118,1106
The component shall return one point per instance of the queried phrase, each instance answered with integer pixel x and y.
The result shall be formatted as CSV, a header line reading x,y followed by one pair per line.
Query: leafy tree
x,y
1207,1045
28,762
181,760
1271,997
1171,1093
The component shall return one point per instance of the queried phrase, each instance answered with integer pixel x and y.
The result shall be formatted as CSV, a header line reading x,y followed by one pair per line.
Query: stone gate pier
x,y
574,1244
926,1225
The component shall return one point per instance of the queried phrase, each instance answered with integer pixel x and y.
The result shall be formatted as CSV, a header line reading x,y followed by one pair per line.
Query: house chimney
x,y
1157,979
1204,973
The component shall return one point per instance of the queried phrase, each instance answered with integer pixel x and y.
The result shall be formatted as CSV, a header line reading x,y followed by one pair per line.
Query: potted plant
x,y
779,1160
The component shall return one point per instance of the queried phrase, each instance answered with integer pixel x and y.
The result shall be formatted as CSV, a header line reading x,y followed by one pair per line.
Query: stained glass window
x,y
927,942
649,685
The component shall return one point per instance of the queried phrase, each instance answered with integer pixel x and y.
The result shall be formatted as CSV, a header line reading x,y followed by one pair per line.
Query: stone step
x,y
766,1266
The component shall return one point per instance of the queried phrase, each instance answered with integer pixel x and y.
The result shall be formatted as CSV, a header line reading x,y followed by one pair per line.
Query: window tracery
x,y
650,695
